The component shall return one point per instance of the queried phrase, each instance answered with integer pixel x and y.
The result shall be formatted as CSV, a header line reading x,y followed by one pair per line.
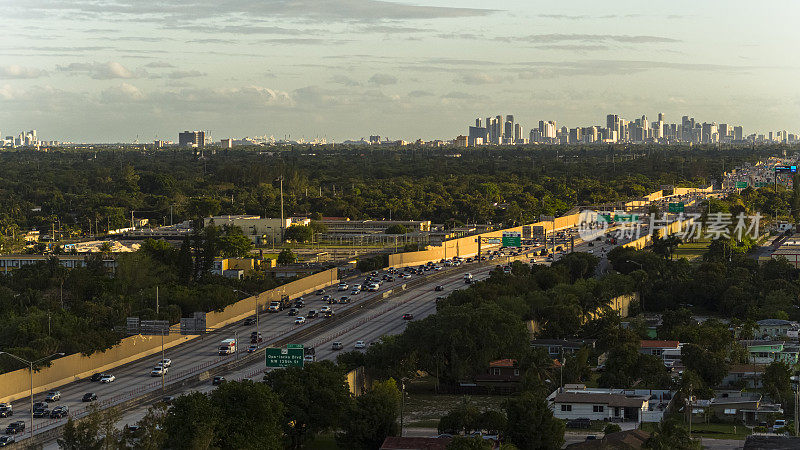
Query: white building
x,y
259,230
613,405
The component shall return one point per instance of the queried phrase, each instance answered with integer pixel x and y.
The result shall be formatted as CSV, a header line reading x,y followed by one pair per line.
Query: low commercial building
x,y
613,405
9,263
259,230
343,225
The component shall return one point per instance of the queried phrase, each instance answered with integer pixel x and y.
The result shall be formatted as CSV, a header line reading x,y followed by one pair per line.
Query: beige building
x,y
259,230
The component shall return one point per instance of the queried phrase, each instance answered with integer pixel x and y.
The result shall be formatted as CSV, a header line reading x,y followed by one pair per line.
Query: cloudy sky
x,y
115,70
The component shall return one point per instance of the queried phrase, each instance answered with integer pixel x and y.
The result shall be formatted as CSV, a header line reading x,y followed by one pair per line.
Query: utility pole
x,y
156,300
163,368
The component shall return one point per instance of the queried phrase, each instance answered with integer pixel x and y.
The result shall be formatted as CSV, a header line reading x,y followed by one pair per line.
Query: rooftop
x,y
660,344
503,363
597,398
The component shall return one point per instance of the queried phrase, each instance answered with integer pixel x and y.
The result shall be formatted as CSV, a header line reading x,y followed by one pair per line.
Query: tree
x,y
396,229
777,381
531,425
671,435
316,398
249,416
372,417
233,243
191,422
712,367
286,256
464,418
468,443
299,233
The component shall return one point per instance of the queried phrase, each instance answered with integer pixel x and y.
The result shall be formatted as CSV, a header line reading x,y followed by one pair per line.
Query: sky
x,y
120,70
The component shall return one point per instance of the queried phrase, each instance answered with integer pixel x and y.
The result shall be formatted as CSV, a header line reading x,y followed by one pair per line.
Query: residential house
x,y
502,375
557,348
734,405
767,352
615,405
668,351
747,376
777,328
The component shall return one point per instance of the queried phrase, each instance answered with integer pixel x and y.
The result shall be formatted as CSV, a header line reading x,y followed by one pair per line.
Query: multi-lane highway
x,y
199,355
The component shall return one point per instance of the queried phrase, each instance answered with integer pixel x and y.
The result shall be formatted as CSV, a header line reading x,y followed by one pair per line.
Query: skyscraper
x,y
192,139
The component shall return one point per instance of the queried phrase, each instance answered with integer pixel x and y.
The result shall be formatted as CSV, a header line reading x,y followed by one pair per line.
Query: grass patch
x,y
428,408
322,442
711,430
691,250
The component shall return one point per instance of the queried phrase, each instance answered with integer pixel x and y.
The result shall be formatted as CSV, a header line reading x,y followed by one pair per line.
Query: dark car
x,y
344,300
59,412
218,380
39,405
299,304
321,292
5,410
249,321
312,314
327,314
337,346
97,376
89,397
43,412
15,427
168,399
7,440
390,279
439,288
256,339
293,311
579,423
408,316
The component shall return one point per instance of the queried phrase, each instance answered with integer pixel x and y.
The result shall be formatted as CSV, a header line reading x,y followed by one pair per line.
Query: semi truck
x,y
279,305
227,347
468,278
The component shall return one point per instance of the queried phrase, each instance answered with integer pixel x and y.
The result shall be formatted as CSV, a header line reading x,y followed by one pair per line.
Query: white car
x,y
360,344
157,371
405,276
324,309
108,379
343,286
355,292
356,287
299,320
373,287
166,362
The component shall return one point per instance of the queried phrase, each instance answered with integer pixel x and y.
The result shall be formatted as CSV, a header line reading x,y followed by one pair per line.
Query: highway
x,y
199,355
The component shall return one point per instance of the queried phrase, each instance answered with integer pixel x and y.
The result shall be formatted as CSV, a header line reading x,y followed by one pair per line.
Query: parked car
x,y
218,380
53,396
360,345
299,320
59,412
779,423
108,378
89,397
337,346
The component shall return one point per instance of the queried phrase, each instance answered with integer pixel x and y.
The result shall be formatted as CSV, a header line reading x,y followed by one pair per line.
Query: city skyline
x,y
345,69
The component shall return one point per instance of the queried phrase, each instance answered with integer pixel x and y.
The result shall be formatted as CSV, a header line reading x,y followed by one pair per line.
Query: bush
x,y
612,428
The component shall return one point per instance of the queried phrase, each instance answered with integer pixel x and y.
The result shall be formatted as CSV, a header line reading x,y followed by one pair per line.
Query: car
x,y
344,300
355,292
108,379
252,348
405,276
343,287
331,301
439,288
312,314
356,287
42,412
7,440
327,314
299,320
337,346
779,423
250,321
97,376
158,371
325,298
15,427
166,362
408,316
373,287
360,344
325,309
293,312
53,396
216,381
39,405
374,273
6,410
59,411
168,399
299,304
441,297
89,397
256,339
320,292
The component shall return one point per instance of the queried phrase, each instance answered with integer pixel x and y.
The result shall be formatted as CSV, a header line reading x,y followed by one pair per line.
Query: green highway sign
x,y
626,217
741,185
284,357
512,239
676,207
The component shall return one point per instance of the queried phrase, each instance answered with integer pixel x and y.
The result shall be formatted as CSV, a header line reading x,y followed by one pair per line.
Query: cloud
x,y
419,94
457,95
238,29
178,74
176,11
19,72
102,71
547,69
479,79
211,41
383,79
301,41
122,93
392,29
159,65
345,80
592,38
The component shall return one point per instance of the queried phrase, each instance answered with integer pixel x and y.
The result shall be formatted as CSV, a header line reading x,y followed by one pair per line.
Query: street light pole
x,y
30,364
